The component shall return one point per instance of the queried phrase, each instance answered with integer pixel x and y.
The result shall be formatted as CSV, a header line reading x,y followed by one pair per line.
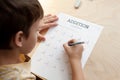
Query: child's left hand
x,y
48,21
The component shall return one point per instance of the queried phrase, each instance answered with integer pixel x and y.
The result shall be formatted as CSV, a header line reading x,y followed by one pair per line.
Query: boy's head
x,y
17,16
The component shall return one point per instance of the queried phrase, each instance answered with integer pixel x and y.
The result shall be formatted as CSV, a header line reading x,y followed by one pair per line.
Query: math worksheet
x,y
50,60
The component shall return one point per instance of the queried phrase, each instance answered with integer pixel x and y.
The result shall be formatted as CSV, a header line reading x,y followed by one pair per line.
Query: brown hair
x,y
17,15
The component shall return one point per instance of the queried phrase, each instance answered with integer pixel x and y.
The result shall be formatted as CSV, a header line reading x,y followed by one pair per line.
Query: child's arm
x,y
75,54
77,73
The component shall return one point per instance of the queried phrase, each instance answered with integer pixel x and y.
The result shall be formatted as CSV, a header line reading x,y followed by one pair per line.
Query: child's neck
x,y
9,57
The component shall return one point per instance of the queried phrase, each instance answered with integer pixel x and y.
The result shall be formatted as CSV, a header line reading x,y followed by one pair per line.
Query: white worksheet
x,y
50,60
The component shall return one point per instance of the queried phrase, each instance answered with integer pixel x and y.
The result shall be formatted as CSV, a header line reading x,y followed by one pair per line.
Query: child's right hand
x,y
74,52
75,55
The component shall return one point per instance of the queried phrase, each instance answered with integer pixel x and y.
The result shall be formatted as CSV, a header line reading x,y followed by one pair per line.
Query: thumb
x,y
41,37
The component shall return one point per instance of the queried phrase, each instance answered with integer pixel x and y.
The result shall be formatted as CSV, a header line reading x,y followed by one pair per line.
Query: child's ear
x,y
19,39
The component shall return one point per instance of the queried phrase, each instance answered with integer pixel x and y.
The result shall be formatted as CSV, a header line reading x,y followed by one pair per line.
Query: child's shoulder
x,y
16,71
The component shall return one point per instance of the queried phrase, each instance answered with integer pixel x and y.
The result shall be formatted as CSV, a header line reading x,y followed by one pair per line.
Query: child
x,y
21,21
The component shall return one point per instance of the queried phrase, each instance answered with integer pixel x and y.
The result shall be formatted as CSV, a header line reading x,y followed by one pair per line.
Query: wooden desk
x,y
104,62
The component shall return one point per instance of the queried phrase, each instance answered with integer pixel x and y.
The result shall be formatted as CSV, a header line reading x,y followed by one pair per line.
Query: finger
x,y
41,37
72,41
50,16
48,25
47,15
51,19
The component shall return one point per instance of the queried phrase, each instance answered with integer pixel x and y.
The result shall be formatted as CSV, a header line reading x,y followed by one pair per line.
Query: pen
x,y
73,44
